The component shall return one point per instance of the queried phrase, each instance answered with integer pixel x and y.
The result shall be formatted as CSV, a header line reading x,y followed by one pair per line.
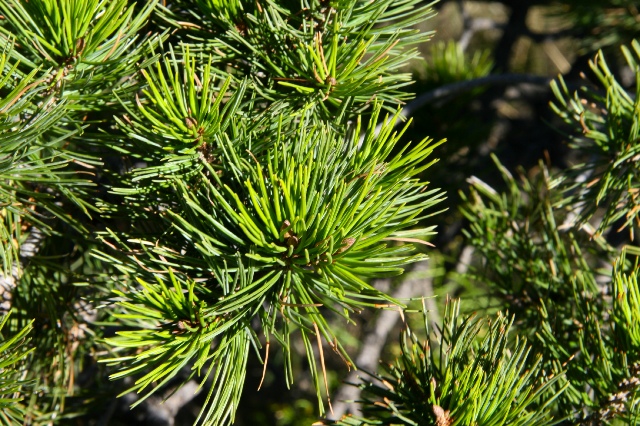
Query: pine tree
x,y
189,186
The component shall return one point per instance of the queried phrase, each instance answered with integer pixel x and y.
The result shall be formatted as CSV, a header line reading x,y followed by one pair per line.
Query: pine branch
x,y
613,184
466,379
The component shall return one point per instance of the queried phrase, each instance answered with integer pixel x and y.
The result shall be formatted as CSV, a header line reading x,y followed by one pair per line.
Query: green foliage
x,y
186,185
607,126
178,328
278,241
32,170
448,63
83,47
536,264
602,352
601,25
267,209
64,32
231,11
185,107
476,375
624,346
179,120
332,59
13,351
529,254
626,303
